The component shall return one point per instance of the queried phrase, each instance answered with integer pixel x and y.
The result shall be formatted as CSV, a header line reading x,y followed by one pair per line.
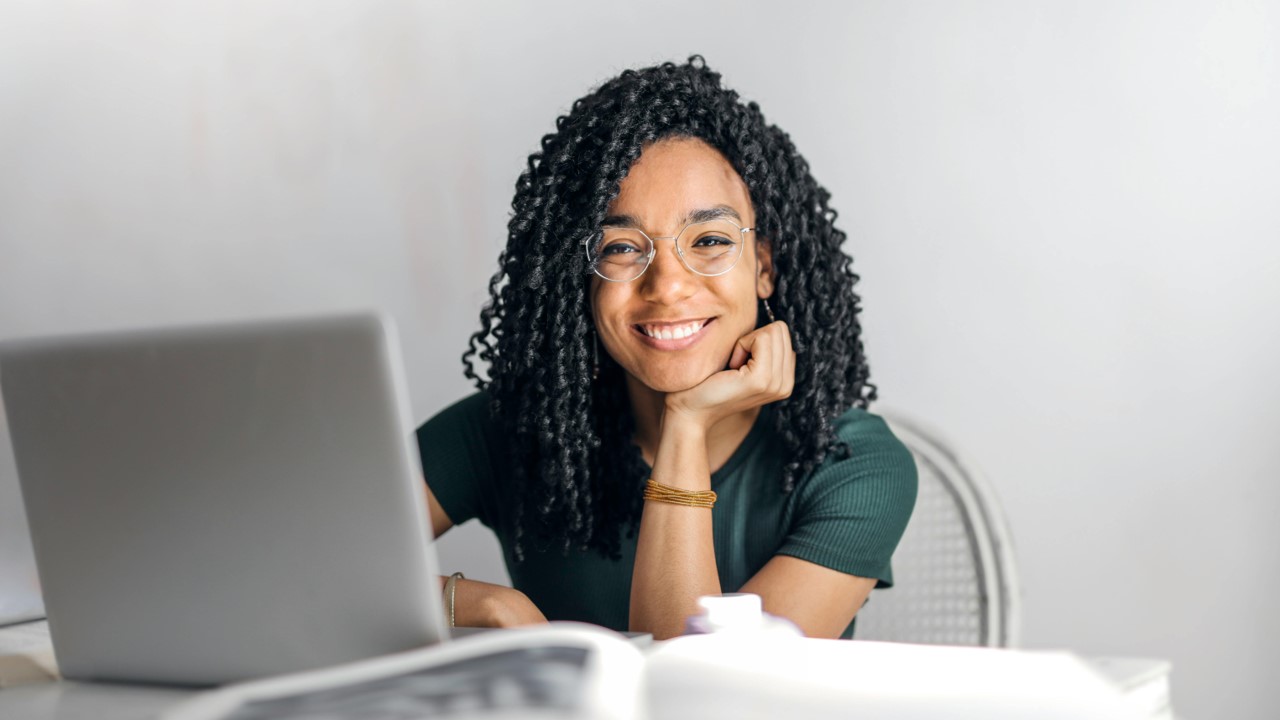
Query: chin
x,y
673,385
680,378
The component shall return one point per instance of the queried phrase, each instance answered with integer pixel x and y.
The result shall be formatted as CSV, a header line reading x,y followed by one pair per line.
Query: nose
x,y
667,281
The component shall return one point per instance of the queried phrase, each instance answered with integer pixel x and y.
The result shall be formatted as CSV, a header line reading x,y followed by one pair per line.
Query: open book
x,y
560,670
580,671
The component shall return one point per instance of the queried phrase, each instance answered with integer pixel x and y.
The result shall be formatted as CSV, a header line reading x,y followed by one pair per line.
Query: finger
x,y
790,352
777,355
766,349
739,356
768,373
789,373
784,367
746,349
762,366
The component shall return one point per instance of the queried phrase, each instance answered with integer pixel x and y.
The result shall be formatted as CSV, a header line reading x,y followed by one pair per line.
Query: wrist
x,y
681,456
683,422
679,437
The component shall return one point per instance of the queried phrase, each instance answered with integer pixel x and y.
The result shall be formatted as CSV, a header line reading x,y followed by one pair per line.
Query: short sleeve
x,y
852,511
458,449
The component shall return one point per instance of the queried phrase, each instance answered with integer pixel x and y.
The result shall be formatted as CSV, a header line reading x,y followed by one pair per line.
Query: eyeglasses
x,y
622,254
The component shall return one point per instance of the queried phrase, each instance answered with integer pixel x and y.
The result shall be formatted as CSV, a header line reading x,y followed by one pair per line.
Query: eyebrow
x,y
696,216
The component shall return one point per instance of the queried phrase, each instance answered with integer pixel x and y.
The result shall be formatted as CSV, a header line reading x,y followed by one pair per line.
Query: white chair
x,y
955,581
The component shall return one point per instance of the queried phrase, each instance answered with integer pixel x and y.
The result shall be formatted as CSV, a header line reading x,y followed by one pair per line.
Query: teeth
x,y
668,332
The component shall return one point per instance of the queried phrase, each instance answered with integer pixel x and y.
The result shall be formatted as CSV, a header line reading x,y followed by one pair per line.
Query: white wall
x,y
1064,213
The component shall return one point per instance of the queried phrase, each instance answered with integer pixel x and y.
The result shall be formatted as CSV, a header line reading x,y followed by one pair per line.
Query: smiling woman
x,y
676,394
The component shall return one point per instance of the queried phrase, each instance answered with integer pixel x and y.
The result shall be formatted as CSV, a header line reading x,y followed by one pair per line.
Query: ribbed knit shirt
x,y
848,515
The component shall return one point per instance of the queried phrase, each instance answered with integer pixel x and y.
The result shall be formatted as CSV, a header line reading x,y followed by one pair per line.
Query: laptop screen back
x,y
221,503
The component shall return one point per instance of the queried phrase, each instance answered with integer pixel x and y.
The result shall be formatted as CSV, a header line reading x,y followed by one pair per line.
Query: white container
x,y
737,613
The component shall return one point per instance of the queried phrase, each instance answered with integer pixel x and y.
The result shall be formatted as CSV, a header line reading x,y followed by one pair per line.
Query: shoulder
x,y
461,436
470,413
877,469
868,434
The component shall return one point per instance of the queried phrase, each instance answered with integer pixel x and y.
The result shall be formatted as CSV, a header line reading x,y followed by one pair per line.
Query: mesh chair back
x,y
955,582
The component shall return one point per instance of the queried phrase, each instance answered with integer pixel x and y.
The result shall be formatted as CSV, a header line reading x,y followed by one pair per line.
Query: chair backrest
x,y
955,580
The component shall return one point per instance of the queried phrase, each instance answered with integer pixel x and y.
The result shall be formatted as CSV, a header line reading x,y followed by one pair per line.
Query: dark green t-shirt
x,y
848,515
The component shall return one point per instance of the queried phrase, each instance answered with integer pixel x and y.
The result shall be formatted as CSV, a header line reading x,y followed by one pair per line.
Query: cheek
x,y
606,304
598,303
745,304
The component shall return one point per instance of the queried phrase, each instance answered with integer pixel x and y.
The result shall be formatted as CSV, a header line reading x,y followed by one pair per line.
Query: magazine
x,y
561,670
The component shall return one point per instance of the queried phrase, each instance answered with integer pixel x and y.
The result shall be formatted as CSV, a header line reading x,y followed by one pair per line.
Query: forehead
x,y
675,177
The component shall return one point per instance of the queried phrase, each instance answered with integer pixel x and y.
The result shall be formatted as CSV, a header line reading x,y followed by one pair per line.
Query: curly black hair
x,y
576,471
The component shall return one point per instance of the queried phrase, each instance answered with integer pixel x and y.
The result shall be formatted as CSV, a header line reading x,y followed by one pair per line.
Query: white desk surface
x,y
85,701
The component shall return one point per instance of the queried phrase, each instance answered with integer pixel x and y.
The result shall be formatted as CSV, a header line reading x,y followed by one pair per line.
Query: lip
x,y
673,344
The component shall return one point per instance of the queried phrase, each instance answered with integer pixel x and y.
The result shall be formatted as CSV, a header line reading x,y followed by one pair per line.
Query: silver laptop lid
x,y
213,504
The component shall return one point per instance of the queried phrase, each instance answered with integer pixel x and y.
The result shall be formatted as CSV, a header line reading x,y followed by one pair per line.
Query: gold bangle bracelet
x,y
654,490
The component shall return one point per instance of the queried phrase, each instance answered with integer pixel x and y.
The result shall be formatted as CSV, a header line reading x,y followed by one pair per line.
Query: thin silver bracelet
x,y
450,587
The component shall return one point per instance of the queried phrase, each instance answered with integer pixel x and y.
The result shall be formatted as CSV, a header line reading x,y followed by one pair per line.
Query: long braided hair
x,y
574,467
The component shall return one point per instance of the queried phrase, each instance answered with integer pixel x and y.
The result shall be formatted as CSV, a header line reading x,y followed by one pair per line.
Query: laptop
x,y
19,585
214,504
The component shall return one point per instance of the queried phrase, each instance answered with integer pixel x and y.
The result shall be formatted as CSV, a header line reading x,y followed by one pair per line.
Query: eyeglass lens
x,y
709,248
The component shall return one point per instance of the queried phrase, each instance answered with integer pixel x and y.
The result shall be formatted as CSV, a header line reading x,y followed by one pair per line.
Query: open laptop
x,y
213,504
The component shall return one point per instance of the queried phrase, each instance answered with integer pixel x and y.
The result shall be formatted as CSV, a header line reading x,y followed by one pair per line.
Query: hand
x,y
482,604
762,369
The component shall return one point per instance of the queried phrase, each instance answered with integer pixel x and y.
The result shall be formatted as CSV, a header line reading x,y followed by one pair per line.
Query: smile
x,y
672,336
672,332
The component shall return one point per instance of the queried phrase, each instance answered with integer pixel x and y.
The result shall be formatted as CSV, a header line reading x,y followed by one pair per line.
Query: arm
x,y
675,555
820,600
481,604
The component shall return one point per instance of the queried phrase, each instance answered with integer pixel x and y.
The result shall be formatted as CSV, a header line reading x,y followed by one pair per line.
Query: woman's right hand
x,y
482,604
762,369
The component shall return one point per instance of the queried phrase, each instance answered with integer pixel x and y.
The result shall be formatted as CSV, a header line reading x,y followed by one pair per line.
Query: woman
x,y
673,317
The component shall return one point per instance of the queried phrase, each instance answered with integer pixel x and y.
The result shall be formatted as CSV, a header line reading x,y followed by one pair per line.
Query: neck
x,y
723,438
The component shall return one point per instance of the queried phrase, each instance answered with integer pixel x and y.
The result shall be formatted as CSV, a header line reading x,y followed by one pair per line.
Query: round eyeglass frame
x,y
653,250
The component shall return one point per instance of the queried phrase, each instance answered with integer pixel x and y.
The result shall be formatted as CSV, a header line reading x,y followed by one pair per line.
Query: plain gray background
x,y
1065,216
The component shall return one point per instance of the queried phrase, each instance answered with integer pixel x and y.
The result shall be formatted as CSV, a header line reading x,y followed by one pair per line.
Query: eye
x,y
712,241
618,248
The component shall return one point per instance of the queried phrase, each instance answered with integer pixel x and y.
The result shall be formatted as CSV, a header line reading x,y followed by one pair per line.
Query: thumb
x,y
741,351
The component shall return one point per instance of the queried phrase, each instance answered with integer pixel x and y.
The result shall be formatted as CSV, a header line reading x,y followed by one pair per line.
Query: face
x,y
670,329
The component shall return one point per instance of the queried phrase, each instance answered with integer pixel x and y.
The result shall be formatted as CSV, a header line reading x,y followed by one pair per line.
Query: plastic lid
x,y
732,610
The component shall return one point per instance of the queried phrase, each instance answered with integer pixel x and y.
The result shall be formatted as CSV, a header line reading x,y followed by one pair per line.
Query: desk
x,y
728,677
66,700
85,701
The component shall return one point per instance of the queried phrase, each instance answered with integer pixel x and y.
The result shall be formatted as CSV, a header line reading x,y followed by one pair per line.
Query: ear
x,y
764,268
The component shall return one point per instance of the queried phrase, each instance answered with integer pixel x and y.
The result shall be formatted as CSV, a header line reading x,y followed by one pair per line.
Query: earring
x,y
595,356
769,311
